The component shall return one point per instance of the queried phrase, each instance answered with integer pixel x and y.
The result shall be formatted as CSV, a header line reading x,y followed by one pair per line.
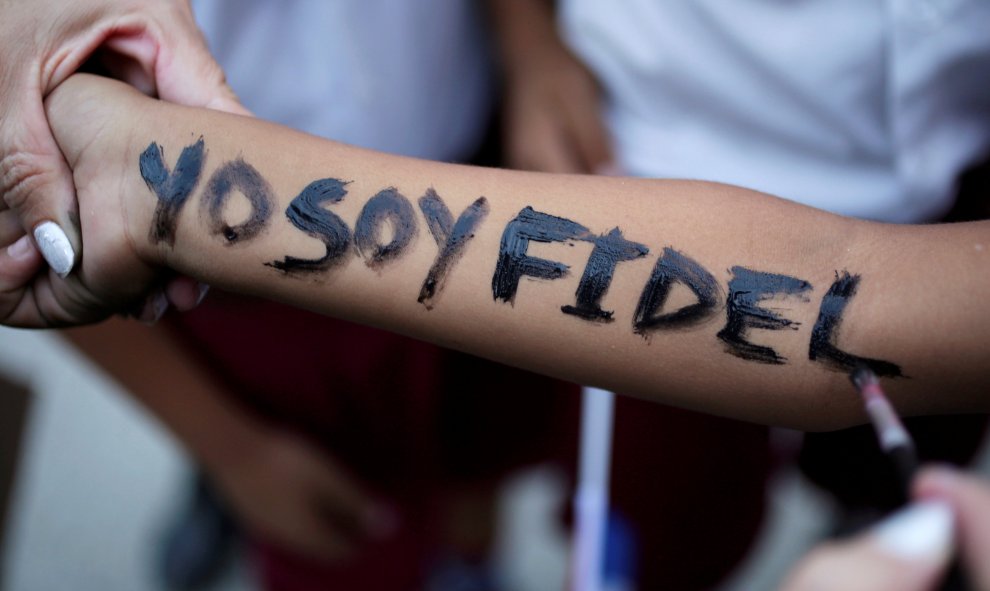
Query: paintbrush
x,y
896,442
894,439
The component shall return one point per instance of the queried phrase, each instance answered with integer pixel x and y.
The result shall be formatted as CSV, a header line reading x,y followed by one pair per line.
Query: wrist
x,y
145,155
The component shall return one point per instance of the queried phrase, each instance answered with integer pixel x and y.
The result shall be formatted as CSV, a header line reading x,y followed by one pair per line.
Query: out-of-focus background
x,y
93,479
96,480
90,484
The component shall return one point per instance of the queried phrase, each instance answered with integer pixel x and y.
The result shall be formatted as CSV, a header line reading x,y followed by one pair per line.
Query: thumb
x,y
346,504
970,499
173,62
907,551
187,73
587,130
37,185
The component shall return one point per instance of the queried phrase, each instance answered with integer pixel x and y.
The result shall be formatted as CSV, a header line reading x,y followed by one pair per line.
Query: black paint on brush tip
x,y
388,206
824,335
862,376
451,239
674,267
307,212
513,262
237,175
172,188
747,290
610,250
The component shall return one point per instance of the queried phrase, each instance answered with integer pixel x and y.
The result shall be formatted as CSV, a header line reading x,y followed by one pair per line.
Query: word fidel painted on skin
x,y
748,289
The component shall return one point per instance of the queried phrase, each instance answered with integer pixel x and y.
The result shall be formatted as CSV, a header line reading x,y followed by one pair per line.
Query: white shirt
x,y
869,108
401,76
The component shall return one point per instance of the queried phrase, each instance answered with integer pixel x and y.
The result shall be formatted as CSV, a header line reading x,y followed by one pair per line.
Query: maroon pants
x,y
411,420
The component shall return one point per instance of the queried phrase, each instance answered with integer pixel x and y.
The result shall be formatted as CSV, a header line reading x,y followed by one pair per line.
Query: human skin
x,y
879,562
917,305
969,497
279,484
281,487
552,119
153,45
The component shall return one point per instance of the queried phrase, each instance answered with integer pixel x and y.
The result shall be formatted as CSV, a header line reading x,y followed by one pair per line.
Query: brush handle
x,y
905,462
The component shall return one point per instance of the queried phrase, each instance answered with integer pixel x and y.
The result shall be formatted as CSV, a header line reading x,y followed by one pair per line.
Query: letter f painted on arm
x,y
513,262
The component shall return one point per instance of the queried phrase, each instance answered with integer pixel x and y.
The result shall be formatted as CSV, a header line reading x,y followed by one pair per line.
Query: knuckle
x,y
21,176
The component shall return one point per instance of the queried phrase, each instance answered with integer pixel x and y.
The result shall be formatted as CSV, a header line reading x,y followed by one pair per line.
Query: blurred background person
x,y
340,449
859,108
759,96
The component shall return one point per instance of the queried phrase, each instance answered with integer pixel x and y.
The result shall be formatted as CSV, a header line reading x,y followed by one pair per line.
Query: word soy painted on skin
x,y
307,212
748,289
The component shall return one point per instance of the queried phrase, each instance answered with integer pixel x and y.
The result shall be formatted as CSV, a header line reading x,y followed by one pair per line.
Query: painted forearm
x,y
701,295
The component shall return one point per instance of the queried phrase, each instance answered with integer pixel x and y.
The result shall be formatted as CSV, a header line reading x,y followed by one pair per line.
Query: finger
x,y
170,60
540,145
129,59
350,509
185,293
970,499
37,185
582,113
323,543
908,551
19,263
187,73
154,307
10,227
610,168
306,536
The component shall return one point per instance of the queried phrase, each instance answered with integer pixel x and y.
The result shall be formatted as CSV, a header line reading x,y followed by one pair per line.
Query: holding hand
x,y
291,493
153,45
279,486
110,276
553,120
910,550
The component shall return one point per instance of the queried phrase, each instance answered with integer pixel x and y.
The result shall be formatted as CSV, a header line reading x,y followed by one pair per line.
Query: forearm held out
x,y
697,294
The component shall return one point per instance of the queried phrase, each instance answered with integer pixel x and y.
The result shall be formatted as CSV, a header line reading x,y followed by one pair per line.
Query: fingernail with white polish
x,y
203,290
21,249
923,530
55,247
154,308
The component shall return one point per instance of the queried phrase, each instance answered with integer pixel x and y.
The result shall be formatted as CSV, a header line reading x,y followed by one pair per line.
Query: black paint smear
x,y
513,263
240,176
451,239
307,213
387,206
674,267
171,188
823,336
610,250
747,289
